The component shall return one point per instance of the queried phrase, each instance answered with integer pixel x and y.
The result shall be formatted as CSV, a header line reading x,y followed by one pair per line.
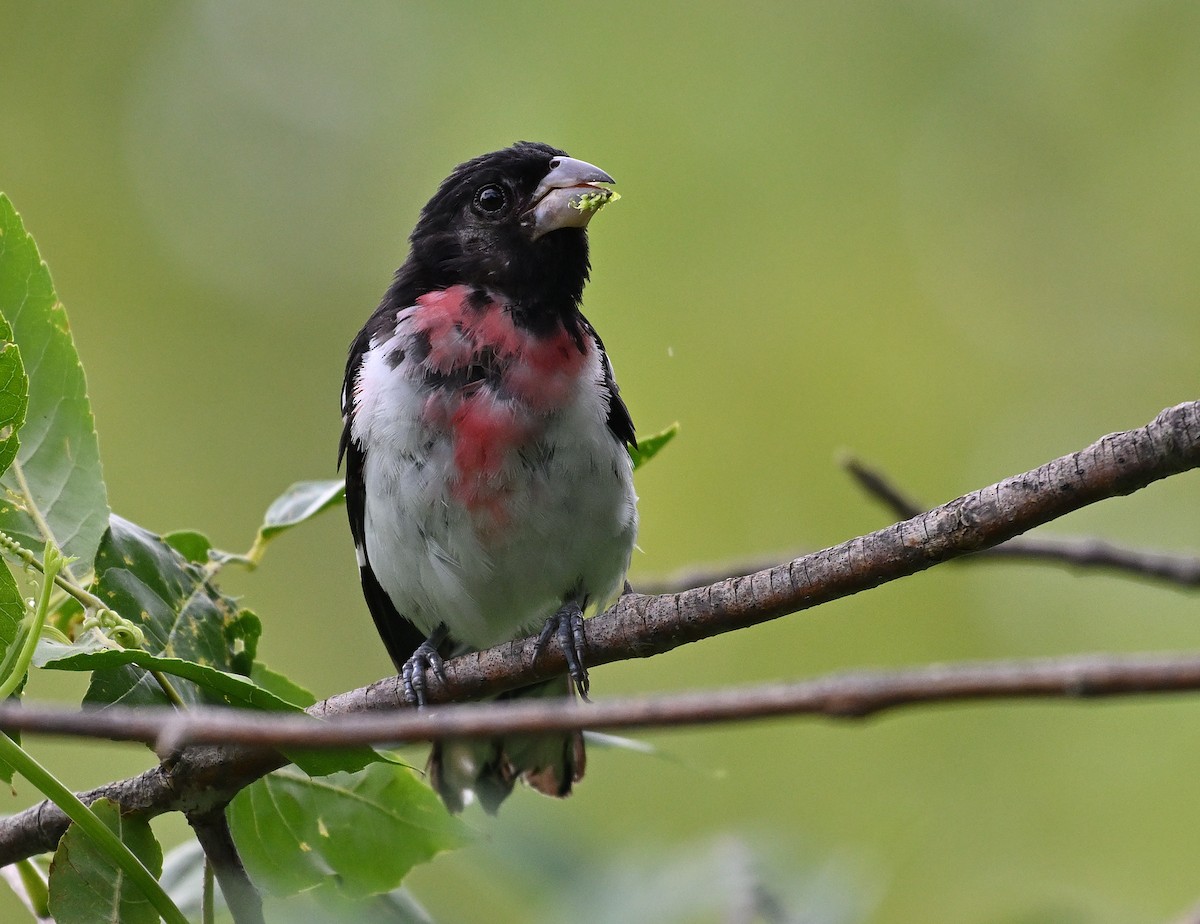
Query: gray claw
x,y
412,675
567,626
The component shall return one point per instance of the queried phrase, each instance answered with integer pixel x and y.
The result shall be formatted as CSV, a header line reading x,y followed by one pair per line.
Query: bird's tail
x,y
487,768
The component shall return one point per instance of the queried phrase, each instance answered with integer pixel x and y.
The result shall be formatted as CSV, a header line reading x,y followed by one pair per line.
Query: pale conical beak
x,y
566,197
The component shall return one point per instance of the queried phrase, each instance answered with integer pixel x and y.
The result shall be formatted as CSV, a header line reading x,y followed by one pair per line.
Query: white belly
x,y
569,526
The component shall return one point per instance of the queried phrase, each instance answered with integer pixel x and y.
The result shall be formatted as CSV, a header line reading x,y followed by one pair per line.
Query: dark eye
x,y
490,200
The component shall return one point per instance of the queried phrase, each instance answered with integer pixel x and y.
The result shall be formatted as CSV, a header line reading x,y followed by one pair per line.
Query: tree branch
x,y
692,577
641,626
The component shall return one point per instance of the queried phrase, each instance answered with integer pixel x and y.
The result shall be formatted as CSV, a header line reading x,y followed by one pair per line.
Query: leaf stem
x,y
32,628
86,598
64,580
108,842
168,689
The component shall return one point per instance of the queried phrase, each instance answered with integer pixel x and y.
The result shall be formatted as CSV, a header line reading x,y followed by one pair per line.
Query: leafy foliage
x,y
86,887
368,829
183,615
92,651
55,482
183,878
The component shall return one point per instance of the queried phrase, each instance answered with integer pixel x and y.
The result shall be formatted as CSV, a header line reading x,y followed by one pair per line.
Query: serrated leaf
x,y
59,458
650,446
368,829
182,614
86,887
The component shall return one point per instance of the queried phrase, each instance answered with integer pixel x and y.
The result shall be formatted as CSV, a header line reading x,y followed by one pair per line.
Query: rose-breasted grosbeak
x,y
488,483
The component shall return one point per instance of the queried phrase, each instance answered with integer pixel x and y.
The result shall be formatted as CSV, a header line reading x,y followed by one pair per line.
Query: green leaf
x,y
283,687
183,879
56,477
368,829
650,446
92,652
86,887
182,614
190,544
302,501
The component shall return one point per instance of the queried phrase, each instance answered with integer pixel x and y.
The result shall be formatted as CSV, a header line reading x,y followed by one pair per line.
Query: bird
x,y
489,483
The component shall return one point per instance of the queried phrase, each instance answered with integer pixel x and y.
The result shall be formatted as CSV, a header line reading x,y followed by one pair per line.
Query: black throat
x,y
541,281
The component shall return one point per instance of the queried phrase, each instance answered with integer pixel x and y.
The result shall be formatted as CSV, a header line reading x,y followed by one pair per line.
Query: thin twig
x,y
874,483
850,695
1079,552
642,626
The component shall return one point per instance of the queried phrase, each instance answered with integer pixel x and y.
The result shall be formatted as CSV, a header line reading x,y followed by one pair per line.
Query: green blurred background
x,y
956,238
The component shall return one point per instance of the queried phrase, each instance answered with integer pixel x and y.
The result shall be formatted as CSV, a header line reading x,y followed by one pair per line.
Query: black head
x,y
510,221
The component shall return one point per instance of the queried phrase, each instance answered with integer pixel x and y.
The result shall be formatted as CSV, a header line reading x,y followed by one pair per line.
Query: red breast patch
x,y
496,385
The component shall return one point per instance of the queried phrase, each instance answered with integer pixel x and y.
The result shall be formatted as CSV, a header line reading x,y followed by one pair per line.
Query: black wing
x,y
619,421
400,636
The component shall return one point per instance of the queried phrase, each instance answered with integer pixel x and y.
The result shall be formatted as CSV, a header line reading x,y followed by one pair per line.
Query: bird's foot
x,y
412,674
567,625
